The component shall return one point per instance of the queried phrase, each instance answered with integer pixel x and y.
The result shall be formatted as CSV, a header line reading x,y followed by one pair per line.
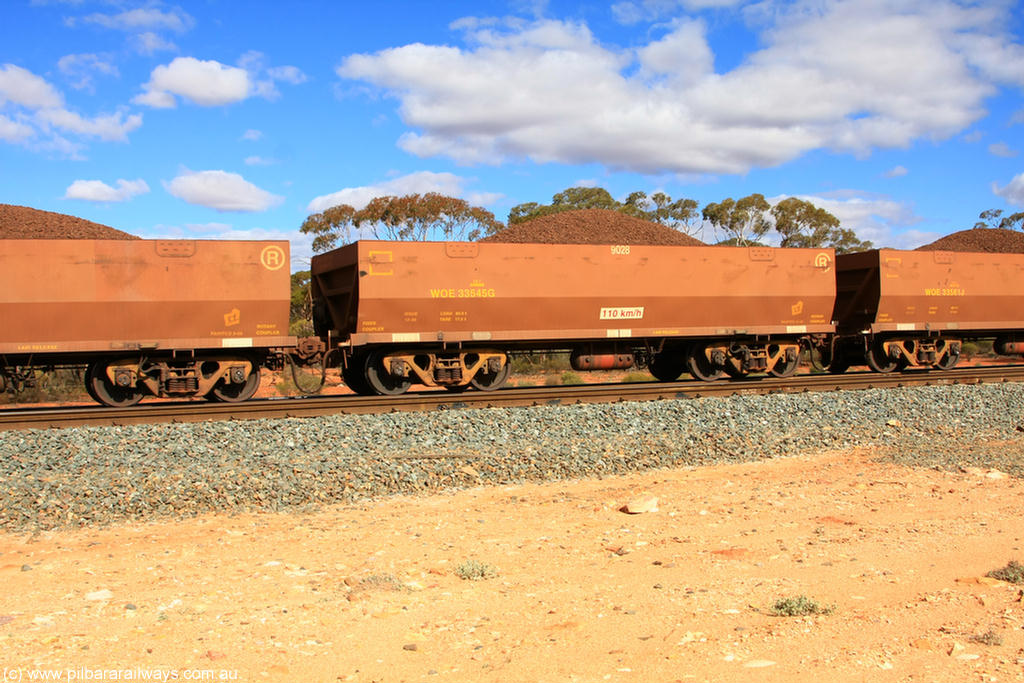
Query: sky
x,y
236,120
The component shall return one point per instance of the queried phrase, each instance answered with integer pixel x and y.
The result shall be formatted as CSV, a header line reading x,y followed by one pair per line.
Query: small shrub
x,y
569,377
800,606
539,363
1011,573
988,638
552,380
388,582
471,570
633,377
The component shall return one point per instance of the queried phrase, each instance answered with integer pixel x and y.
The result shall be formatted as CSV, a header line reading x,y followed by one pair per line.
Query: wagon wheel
x,y
699,365
236,392
735,372
784,367
353,373
951,358
380,381
666,366
106,392
489,381
878,360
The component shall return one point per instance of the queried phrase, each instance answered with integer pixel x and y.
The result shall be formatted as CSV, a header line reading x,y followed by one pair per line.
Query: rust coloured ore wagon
x,y
157,317
448,313
902,309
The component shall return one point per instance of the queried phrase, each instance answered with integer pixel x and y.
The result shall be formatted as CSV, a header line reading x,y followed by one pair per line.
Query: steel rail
x,y
312,406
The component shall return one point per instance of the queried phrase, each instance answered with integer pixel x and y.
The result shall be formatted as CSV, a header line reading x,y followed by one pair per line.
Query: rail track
x,y
56,417
75,416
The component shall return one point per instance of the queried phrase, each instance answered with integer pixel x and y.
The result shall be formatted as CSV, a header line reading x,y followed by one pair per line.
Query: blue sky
x,y
225,119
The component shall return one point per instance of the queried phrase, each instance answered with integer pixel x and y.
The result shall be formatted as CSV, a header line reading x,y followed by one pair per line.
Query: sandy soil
x,y
580,590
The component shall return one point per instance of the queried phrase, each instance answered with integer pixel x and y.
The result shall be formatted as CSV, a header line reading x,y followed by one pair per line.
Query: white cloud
x,y
831,75
1012,192
14,131
206,83
143,19
80,69
1001,149
882,220
1018,117
419,182
149,43
222,191
651,10
256,160
22,87
99,191
110,127
210,83
252,134
896,172
40,112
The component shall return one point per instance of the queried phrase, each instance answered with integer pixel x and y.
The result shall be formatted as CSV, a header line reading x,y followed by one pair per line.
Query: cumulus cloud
x,y
252,134
40,115
210,83
419,182
882,220
206,83
99,191
896,172
14,131
149,43
1001,149
22,87
848,77
1012,192
81,69
222,191
143,19
256,160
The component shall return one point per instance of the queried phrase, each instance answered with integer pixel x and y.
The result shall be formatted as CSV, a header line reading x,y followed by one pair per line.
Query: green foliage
x,y
60,386
1011,573
680,214
412,217
635,377
301,307
993,218
539,363
744,220
471,570
800,606
802,224
570,377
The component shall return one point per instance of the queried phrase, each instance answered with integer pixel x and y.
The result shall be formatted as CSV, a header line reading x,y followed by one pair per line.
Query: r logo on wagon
x,y
622,313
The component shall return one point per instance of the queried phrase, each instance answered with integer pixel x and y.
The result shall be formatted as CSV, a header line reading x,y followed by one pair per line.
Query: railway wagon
x,y
158,317
448,313
901,309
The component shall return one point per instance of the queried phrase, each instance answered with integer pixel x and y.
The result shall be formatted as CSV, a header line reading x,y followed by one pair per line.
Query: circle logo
x,y
272,257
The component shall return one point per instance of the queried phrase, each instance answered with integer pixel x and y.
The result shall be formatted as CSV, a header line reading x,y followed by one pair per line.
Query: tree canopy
x,y
743,221
802,224
412,217
680,214
993,218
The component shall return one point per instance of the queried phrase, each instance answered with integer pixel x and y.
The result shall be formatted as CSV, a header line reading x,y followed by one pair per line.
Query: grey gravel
x,y
100,475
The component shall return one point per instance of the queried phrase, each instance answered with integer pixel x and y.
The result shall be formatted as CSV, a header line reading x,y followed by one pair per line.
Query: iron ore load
x,y
172,318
